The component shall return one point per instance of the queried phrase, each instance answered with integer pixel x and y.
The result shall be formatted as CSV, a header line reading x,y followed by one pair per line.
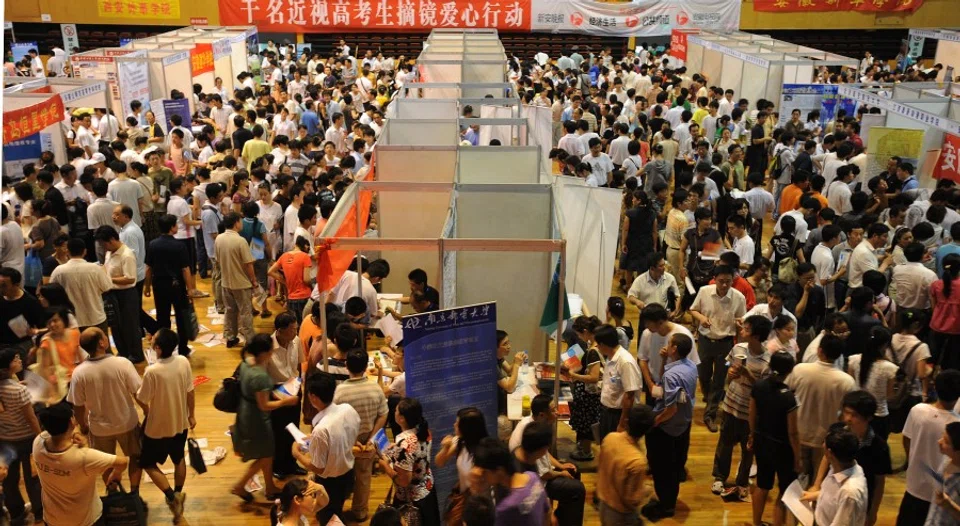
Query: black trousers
x,y
147,323
125,323
203,262
167,293
609,420
337,489
664,454
913,511
283,461
12,497
570,495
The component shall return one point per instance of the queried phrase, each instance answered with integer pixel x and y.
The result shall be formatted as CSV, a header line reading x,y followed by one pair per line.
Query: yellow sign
x,y
164,9
884,143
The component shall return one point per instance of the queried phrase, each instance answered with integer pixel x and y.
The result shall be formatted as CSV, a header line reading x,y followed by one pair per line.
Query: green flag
x,y
548,321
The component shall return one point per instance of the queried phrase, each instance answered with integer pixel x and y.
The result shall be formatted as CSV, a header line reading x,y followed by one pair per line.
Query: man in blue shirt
x,y
949,248
310,119
669,440
905,174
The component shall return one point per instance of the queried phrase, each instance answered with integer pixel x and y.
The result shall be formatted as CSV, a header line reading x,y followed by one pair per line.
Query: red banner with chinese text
x,y
24,122
797,6
201,59
332,263
328,16
678,44
948,165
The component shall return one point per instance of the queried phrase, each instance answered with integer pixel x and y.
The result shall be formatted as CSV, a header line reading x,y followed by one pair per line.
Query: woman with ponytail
x,y
407,463
945,321
298,500
875,374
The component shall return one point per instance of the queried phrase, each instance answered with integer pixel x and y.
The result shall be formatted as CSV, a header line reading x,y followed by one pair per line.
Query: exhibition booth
x,y
756,66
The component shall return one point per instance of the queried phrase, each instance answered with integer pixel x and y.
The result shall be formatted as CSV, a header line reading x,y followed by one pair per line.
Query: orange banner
x,y
24,122
332,263
796,6
201,59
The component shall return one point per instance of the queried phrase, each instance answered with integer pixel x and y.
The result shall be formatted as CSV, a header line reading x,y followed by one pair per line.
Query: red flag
x,y
948,164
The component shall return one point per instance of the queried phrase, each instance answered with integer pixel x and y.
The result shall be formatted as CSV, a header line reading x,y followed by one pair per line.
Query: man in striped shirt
x,y
367,398
749,362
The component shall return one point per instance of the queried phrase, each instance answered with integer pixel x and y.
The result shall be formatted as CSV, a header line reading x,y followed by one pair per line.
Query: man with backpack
x,y
781,169
210,219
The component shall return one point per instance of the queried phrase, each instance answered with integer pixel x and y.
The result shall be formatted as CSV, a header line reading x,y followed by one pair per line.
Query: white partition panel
x,y
712,64
447,71
754,82
397,219
484,71
948,54
432,164
774,84
731,75
694,57
517,281
498,164
424,108
423,132
804,74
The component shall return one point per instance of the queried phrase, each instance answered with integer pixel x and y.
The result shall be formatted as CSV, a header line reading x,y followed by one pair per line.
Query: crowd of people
x,y
809,348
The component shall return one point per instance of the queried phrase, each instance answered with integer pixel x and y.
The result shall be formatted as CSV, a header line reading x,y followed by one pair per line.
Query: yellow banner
x,y
163,9
884,143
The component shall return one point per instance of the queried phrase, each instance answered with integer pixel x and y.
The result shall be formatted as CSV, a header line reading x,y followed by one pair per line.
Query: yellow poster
x,y
163,9
883,143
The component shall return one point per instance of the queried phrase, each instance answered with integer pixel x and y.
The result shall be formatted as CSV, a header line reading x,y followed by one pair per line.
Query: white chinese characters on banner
x,y
413,14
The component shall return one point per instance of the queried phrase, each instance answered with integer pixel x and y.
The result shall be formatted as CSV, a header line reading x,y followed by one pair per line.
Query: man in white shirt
x,y
740,242
85,138
807,206
167,390
910,283
830,166
108,125
283,368
337,134
618,146
346,288
921,432
68,472
186,228
655,286
85,284
716,308
822,259
121,267
601,167
11,242
126,191
864,257
658,332
727,103
839,192
760,200
330,452
621,382
103,389
842,498
819,388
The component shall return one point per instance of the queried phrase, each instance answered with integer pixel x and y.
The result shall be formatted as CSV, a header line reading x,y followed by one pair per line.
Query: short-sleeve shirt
x,y
233,253
899,350
881,372
527,505
621,375
873,456
410,454
106,387
164,388
293,264
179,207
737,398
210,217
13,424
167,258
679,388
69,480
775,401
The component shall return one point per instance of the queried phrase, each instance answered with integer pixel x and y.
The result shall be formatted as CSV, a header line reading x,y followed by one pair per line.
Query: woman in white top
x,y
283,124
875,374
724,143
912,356
784,336
298,501
470,428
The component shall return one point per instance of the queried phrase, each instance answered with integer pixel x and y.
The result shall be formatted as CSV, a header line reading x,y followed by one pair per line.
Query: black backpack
x,y
901,382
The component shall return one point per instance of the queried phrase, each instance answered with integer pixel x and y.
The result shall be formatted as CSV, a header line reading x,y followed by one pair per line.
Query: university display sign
x,y
326,16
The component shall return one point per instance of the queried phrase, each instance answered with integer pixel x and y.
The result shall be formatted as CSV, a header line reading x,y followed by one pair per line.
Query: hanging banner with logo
x,y
450,359
337,16
641,18
872,6
201,59
948,165
29,120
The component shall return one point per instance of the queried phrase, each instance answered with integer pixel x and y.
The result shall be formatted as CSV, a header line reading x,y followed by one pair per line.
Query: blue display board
x,y
450,357
809,97
17,154
20,49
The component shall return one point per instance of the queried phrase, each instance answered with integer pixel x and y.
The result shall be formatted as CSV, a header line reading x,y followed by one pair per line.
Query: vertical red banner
x,y
678,44
948,164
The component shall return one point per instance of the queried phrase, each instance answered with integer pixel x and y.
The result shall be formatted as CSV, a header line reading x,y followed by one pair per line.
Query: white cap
x,y
97,158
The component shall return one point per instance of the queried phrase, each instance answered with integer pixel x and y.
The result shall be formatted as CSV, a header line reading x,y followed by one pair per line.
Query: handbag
x,y
122,509
409,512
196,457
228,396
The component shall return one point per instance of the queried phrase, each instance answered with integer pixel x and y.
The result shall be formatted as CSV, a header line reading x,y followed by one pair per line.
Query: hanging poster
x,y
948,165
800,6
644,18
18,153
884,143
134,76
809,97
450,358
27,121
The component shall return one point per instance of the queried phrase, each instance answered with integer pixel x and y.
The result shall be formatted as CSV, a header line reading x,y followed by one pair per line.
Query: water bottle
x,y
526,364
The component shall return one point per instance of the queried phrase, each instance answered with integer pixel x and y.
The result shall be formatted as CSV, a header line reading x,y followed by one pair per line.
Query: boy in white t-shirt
x,y
69,470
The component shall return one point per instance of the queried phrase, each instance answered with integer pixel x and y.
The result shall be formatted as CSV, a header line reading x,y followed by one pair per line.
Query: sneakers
x,y
581,456
717,487
736,494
